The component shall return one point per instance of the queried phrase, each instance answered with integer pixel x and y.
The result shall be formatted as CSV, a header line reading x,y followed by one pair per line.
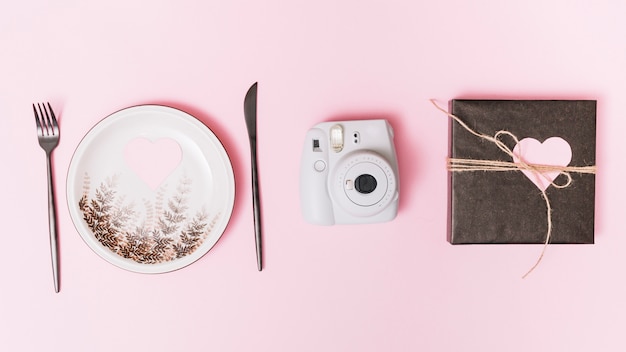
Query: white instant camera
x,y
349,173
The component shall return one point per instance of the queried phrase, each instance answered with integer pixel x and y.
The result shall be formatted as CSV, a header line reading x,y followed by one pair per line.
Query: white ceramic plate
x,y
150,189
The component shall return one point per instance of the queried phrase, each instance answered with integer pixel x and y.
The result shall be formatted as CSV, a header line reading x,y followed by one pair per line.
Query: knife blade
x,y
249,111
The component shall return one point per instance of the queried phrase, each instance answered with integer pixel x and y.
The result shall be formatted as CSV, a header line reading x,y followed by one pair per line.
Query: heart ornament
x,y
152,161
554,151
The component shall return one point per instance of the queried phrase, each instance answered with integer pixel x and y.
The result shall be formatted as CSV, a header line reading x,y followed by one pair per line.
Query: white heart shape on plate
x,y
554,151
152,161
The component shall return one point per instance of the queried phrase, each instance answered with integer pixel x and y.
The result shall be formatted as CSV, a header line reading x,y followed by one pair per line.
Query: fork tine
x,y
39,128
42,119
47,123
55,124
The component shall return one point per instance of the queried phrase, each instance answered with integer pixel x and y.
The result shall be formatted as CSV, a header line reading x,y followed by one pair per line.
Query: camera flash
x,y
336,138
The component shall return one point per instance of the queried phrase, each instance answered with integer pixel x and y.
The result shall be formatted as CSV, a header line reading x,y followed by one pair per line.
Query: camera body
x,y
349,173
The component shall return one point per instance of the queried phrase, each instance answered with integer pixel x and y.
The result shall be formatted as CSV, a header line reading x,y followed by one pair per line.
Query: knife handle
x,y
256,206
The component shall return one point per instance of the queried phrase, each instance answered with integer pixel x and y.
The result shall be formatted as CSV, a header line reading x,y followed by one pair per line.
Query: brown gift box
x,y
506,207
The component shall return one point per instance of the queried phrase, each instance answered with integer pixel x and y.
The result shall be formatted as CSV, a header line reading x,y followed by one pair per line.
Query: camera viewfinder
x,y
316,145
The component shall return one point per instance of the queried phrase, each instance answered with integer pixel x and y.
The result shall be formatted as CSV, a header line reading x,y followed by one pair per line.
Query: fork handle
x,y
52,222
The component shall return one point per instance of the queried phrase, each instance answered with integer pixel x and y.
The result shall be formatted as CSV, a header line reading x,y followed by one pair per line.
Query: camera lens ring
x,y
341,183
364,199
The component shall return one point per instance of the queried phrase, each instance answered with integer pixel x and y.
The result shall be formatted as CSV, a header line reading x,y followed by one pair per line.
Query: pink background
x,y
397,286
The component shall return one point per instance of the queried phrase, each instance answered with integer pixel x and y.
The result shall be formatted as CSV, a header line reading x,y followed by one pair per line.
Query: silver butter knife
x,y
249,111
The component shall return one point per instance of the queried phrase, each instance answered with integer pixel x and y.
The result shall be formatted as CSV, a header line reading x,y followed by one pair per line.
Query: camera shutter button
x,y
319,165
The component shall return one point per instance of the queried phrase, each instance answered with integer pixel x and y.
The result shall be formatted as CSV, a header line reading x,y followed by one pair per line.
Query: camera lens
x,y
365,184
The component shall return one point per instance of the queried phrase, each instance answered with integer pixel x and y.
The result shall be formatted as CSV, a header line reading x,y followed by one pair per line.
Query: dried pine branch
x,y
108,218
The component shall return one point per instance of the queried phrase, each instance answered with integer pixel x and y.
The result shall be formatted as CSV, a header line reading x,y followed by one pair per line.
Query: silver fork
x,y
48,135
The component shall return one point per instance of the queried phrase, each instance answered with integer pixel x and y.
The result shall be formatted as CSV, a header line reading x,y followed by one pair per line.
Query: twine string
x,y
464,165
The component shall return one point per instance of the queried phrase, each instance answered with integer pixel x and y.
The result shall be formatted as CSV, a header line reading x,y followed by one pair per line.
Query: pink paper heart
x,y
554,151
152,161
